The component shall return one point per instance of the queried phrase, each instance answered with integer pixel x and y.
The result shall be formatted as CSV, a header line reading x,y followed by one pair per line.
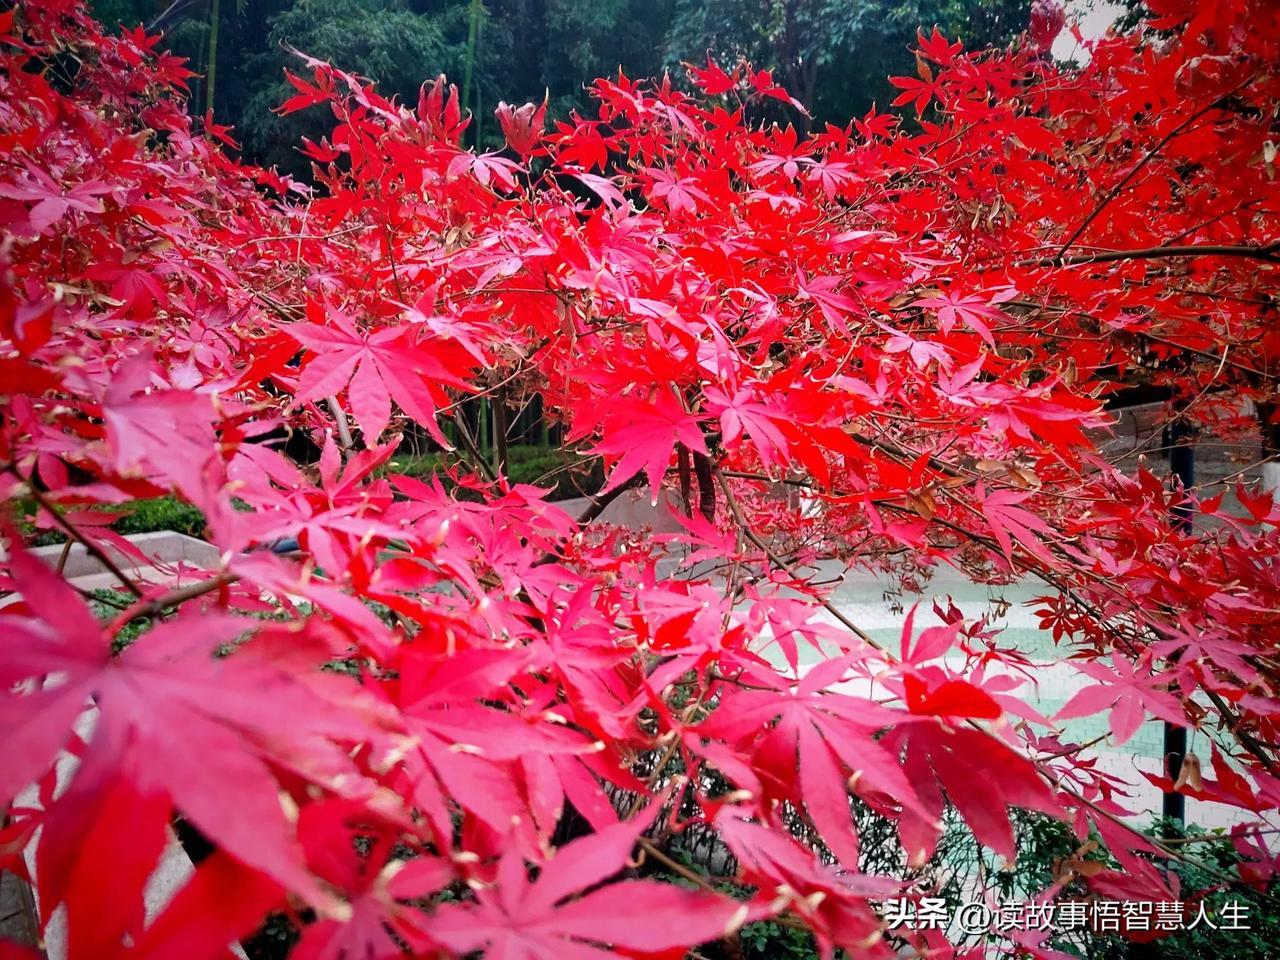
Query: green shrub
x,y
562,471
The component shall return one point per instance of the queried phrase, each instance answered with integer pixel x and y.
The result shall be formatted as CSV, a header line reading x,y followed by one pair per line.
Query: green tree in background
x,y
573,42
833,55
389,42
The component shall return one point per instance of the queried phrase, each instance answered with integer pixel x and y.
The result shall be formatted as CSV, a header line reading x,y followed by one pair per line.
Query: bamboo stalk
x,y
212,75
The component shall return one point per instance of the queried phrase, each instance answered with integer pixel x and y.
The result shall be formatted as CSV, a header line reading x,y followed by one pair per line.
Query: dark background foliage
x,y
834,55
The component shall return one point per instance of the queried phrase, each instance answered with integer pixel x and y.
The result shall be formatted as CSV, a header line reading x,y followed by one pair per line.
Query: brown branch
x,y
1265,252
602,500
1207,355
500,429
895,449
477,458
344,428
706,486
597,506
682,470
651,781
1243,737
172,598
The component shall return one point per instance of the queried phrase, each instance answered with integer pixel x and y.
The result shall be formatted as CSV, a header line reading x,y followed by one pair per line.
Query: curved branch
x,y
74,533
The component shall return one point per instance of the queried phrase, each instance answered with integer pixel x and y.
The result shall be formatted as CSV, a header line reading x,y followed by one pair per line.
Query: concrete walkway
x,y
860,597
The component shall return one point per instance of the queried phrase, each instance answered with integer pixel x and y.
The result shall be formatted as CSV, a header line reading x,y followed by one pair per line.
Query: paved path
x,y
1051,684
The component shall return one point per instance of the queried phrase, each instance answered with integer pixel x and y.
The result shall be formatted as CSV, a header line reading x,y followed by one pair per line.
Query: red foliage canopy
x,y
882,346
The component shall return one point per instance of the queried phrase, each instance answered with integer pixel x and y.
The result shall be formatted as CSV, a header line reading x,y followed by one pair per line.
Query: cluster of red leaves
x,y
909,327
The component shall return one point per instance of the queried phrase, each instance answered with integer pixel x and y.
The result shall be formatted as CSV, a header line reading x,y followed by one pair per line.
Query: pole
x,y
1182,464
1270,425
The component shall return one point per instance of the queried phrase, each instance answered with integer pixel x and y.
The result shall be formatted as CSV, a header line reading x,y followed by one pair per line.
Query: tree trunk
x,y
212,75
500,431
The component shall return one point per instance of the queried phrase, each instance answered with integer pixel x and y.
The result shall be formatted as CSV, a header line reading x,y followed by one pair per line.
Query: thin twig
x,y
732,503
1265,252
72,531
679,869
477,458
179,595
344,428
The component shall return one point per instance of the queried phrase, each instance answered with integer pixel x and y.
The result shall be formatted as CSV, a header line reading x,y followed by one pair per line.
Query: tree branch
x,y
72,531
468,441
732,503
1147,157
172,598
1265,252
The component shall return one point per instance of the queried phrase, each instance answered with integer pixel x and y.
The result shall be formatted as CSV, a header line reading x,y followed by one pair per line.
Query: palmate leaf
x,y
812,746
1130,692
980,775
352,848
1010,522
211,729
548,919
643,435
389,364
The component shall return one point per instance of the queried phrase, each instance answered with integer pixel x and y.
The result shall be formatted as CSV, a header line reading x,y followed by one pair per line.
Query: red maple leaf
x,y
1010,522
1130,692
210,728
916,91
981,777
376,368
712,80
547,919
52,201
808,745
351,847
643,436
972,309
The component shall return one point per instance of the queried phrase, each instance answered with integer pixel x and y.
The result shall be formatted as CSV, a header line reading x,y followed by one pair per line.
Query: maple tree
x,y
452,717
